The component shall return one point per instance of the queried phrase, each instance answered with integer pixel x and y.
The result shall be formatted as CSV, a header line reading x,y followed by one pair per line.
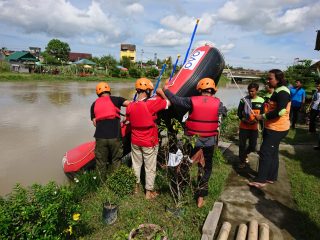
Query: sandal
x,y
257,184
271,182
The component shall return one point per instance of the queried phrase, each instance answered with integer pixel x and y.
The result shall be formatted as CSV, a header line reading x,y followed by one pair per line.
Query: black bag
x,y
317,47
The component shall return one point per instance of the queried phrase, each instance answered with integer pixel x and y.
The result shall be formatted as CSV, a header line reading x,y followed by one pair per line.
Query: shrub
x,y
84,183
152,73
4,66
41,212
134,72
124,74
122,181
115,72
230,125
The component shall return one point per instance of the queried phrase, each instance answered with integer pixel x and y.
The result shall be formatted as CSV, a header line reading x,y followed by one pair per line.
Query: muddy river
x,y
40,121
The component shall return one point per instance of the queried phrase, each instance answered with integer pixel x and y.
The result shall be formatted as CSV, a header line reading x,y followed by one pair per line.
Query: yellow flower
x,y
69,230
76,216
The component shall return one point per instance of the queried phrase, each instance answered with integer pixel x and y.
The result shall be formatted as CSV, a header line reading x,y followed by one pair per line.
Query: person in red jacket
x,y
144,133
203,120
105,116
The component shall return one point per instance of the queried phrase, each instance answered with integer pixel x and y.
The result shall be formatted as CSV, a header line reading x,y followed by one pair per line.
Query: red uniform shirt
x,y
148,136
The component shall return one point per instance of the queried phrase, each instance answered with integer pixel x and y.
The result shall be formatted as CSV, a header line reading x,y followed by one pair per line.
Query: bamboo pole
x,y
253,230
242,232
264,231
224,231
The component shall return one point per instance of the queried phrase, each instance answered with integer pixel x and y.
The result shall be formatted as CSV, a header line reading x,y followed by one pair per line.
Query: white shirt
x,y
316,103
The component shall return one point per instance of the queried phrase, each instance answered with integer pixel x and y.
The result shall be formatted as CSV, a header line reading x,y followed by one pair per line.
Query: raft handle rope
x,y
242,95
66,157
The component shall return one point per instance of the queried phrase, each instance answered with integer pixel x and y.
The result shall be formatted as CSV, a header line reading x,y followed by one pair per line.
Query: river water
x,y
40,121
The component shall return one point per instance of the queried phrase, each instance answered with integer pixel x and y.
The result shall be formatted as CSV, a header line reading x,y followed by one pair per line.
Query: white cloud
x,y
226,47
186,24
59,18
271,17
164,37
271,60
135,8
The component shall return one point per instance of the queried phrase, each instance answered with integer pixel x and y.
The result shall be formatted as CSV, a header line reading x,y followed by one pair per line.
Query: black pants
x,y
204,173
313,118
269,155
244,135
294,112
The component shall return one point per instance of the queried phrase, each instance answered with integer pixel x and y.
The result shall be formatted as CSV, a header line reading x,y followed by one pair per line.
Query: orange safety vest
x,y
256,106
204,119
281,123
105,109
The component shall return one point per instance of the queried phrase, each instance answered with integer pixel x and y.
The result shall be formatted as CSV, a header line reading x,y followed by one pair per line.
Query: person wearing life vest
x,y
203,121
144,133
276,127
248,107
269,91
105,116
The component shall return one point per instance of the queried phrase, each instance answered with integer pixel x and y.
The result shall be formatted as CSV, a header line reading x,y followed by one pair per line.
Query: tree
x,y
302,72
108,61
150,63
58,49
126,62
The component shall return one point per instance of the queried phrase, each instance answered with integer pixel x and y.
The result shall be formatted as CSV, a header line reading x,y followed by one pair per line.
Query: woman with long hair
x,y
277,124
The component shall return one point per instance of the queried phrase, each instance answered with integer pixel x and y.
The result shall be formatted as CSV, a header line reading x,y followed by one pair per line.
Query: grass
x,y
303,169
300,136
135,210
4,77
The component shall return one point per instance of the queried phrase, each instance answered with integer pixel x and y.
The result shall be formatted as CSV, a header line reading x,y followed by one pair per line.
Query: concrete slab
x,y
272,205
210,225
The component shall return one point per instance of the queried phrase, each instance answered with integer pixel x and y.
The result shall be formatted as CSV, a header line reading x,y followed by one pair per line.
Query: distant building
x,y
128,50
22,61
35,51
73,56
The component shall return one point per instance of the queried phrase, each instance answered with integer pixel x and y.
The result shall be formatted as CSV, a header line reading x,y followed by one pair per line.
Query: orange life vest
x,y
256,105
204,119
281,123
105,109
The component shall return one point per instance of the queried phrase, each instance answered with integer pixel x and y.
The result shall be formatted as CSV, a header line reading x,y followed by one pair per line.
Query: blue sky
x,y
251,33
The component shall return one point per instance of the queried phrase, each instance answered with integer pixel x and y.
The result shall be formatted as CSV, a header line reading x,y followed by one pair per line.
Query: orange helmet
x,y
206,83
144,84
102,87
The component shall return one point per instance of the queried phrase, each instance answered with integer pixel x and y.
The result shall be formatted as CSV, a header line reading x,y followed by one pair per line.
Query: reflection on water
x,y
40,121
59,98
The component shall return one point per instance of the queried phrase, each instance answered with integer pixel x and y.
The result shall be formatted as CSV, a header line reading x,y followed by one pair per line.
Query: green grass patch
x,y
304,172
12,77
135,210
299,136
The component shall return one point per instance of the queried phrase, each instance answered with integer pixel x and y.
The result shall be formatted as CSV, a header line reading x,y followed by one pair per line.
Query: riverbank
x,y
15,77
